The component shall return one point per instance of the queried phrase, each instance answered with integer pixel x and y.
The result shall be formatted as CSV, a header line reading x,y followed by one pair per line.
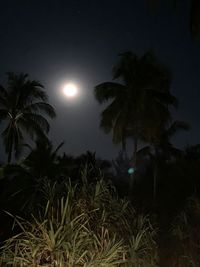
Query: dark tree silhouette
x,y
193,152
138,105
162,150
43,160
23,104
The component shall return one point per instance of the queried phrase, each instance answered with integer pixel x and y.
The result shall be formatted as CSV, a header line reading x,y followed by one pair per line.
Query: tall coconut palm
x,y
138,106
23,104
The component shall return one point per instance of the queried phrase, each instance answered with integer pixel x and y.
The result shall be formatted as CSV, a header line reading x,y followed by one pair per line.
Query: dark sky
x,y
79,40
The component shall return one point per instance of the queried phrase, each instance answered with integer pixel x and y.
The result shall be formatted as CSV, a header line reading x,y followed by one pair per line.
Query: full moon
x,y
70,90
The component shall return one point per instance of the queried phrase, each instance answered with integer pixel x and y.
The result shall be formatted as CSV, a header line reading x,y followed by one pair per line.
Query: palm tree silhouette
x,y
138,106
43,160
23,104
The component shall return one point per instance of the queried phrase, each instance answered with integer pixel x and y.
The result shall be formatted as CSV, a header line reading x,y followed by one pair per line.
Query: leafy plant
x,y
87,226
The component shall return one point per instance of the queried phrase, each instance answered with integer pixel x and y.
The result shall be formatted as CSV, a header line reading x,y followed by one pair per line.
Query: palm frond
x,y
7,136
38,120
12,137
34,89
108,90
109,115
25,101
41,107
176,127
119,126
3,114
3,96
59,147
163,97
125,67
175,152
145,151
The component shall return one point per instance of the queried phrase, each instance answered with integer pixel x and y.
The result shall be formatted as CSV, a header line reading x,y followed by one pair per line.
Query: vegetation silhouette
x,y
43,160
70,204
162,150
139,107
22,105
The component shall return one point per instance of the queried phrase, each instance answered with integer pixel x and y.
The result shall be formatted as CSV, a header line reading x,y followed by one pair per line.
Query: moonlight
x,y
70,90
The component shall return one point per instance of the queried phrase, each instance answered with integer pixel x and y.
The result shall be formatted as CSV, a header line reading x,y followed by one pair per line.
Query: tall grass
x,y
87,226
186,233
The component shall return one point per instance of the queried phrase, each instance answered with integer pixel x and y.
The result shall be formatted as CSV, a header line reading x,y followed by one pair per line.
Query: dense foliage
x,y
87,225
86,211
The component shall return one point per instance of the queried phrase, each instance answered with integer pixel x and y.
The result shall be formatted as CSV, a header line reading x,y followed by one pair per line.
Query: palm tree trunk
x,y
124,145
10,152
155,173
134,165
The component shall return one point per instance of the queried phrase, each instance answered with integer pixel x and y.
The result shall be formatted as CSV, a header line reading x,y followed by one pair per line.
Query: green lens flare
x,y
131,170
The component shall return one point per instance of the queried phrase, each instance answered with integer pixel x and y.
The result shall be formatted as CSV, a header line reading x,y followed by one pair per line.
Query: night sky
x,y
57,41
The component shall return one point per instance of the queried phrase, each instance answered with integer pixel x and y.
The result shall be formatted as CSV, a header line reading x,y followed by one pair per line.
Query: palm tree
x,y
23,105
43,160
138,106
